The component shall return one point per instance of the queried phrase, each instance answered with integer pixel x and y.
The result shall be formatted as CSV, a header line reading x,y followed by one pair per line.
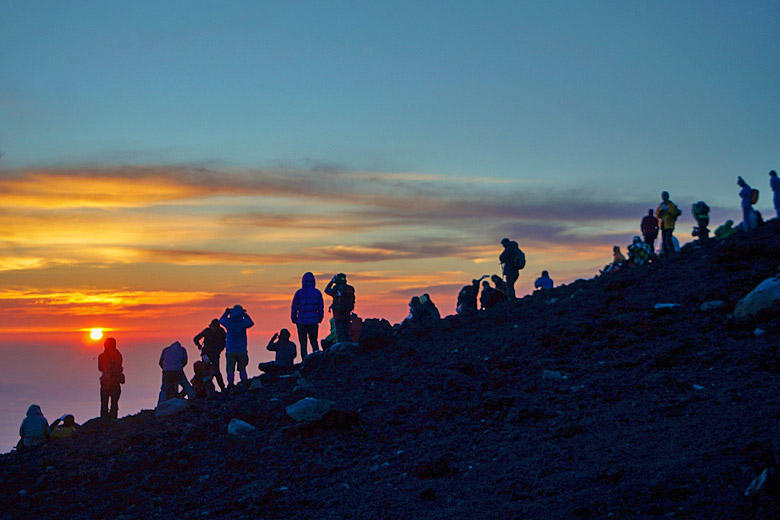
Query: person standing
x,y
236,321
746,194
213,338
649,229
668,212
173,359
774,183
111,378
343,304
512,260
306,312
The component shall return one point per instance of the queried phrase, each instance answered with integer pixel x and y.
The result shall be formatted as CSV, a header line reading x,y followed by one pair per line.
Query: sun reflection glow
x,y
96,334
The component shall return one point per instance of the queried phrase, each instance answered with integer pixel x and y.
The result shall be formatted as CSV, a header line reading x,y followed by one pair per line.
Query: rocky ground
x,y
582,402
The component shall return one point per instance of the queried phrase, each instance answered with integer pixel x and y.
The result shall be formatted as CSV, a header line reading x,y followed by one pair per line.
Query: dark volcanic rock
x,y
654,414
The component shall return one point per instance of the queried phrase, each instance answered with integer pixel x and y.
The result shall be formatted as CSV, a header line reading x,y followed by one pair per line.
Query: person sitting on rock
x,y
490,296
499,284
725,230
63,427
544,282
639,252
467,297
285,354
433,311
34,430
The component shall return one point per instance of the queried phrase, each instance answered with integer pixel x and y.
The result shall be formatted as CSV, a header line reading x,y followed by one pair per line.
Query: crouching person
x,y
172,361
285,354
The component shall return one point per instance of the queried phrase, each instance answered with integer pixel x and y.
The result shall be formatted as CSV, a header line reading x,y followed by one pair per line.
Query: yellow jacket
x,y
667,215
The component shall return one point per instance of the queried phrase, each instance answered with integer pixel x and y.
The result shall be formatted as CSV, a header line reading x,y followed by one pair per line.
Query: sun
x,y
96,334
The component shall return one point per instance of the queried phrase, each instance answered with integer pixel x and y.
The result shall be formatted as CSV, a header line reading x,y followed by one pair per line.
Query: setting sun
x,y
96,333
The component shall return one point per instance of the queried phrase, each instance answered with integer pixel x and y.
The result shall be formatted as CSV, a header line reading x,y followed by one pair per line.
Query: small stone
x,y
759,332
374,468
237,427
22,492
551,375
698,387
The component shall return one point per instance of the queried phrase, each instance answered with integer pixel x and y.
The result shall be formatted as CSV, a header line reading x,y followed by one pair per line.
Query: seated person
x,y
639,252
433,311
331,338
63,427
544,281
490,297
726,230
34,430
285,354
500,284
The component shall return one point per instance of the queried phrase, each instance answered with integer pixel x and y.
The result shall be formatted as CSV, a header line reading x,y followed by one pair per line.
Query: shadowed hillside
x,y
581,402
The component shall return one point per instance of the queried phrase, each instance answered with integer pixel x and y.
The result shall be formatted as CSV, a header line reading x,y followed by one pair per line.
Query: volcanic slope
x,y
580,402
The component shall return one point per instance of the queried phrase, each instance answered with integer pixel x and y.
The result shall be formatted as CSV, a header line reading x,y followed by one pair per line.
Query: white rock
x,y
308,409
757,483
665,306
237,427
170,407
766,296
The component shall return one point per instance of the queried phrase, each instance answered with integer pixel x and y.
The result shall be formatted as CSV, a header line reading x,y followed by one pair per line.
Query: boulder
x,y
376,334
170,407
765,297
308,409
238,427
712,305
256,384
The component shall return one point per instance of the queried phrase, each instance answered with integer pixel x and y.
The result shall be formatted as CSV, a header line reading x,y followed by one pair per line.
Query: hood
x,y
308,280
34,410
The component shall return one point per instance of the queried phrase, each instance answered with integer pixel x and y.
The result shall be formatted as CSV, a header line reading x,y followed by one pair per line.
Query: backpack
x,y
519,259
754,196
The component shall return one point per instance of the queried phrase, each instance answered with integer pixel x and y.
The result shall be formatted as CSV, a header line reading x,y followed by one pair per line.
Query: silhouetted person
x,y
306,312
490,296
34,430
433,311
467,297
63,427
343,304
202,382
725,230
544,281
236,321
774,183
701,212
746,195
649,229
499,284
639,252
285,354
213,340
173,359
668,212
512,260
617,257
111,379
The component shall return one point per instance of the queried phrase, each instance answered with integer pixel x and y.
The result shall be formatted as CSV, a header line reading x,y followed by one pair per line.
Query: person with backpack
x,y
667,212
236,321
467,297
111,378
213,340
306,312
512,259
649,227
173,359
746,193
343,304
701,212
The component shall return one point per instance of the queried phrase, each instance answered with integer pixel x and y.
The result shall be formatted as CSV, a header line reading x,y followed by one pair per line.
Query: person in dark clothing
x,y
34,430
746,196
433,311
343,304
306,312
111,378
173,359
213,343
701,212
202,382
500,284
467,297
649,229
774,183
512,260
285,354
490,297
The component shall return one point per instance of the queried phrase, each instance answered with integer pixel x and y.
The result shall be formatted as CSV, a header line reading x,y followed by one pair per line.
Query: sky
x,y
160,161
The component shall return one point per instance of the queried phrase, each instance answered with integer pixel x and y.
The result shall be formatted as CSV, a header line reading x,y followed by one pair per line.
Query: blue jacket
x,y
307,307
173,357
35,429
745,194
236,331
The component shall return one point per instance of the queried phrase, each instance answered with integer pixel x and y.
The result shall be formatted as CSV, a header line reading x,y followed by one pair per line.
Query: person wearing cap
x,y
111,378
774,183
173,359
213,343
746,194
236,321
63,427
343,304
306,312
667,212
544,282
